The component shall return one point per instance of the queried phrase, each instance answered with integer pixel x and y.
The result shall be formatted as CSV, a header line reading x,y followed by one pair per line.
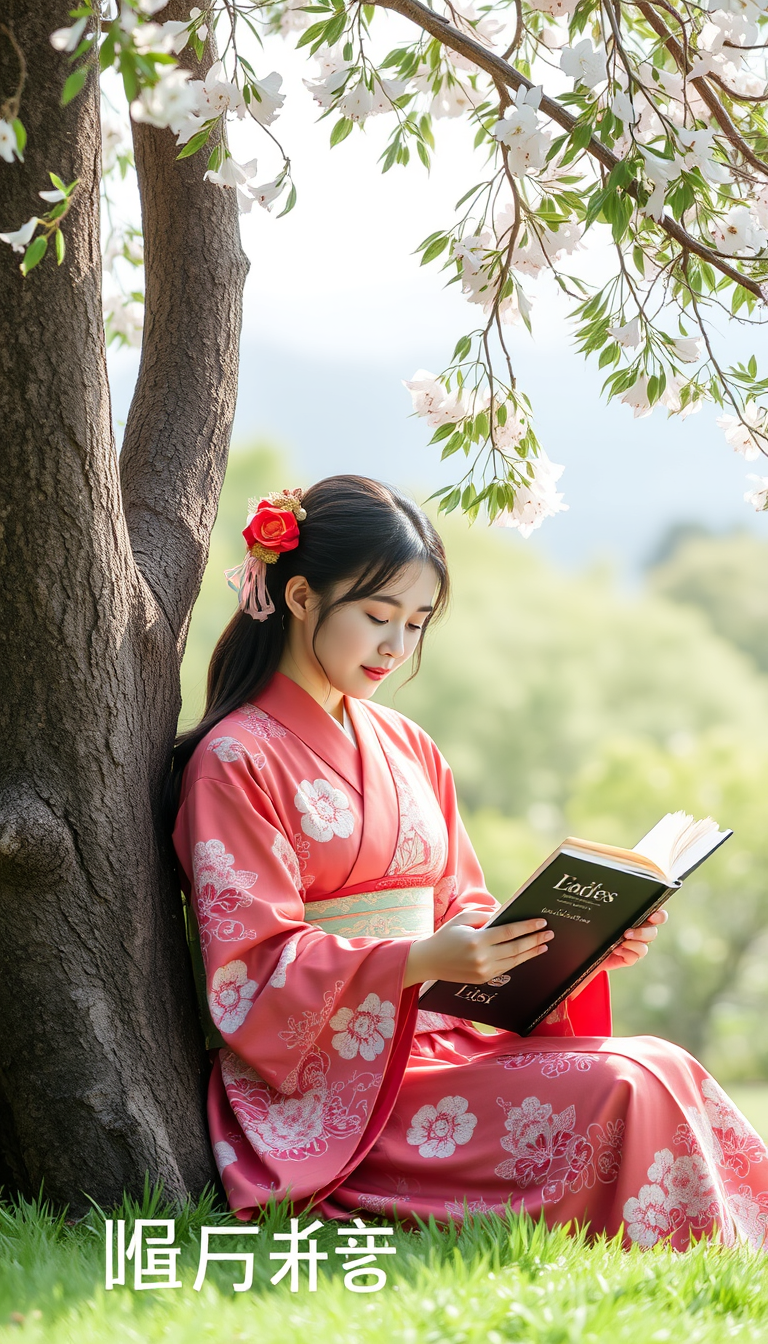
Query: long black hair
x,y
356,529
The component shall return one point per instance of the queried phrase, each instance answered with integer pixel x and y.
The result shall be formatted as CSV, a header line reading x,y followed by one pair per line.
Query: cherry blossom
x,y
636,396
584,64
758,497
267,100
520,131
268,192
739,231
436,1130
365,1029
66,39
326,810
737,431
168,102
432,400
687,348
9,145
21,237
661,172
536,500
628,335
554,7
230,997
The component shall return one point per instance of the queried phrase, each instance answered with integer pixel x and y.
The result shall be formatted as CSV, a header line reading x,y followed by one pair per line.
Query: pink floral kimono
x,y
311,862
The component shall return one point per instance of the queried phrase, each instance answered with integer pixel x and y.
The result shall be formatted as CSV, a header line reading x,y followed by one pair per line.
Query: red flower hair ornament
x,y
272,527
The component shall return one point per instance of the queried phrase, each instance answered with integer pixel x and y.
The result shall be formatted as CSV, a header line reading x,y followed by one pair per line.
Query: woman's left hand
x,y
635,942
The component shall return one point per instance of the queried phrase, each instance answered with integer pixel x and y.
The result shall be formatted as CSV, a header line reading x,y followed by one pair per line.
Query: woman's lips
x,y
376,673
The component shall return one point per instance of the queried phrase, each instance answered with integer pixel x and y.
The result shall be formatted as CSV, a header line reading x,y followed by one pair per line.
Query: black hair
x,y
357,529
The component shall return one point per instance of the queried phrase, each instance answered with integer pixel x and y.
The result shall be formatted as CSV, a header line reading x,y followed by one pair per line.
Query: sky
x,y
338,312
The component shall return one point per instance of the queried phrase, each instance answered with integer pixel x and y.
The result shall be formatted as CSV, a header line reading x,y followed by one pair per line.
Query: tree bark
x,y
102,1065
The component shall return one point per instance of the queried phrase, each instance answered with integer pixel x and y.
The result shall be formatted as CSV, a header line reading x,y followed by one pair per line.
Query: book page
x,y
678,843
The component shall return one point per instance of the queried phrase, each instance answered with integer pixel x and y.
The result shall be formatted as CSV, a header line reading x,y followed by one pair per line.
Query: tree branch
x,y
502,72
177,434
729,129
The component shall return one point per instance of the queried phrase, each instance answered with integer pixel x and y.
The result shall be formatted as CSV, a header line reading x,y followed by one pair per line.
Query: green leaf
x,y
196,142
34,253
463,348
341,130
72,85
309,34
437,246
291,201
336,27
21,135
443,432
423,153
59,236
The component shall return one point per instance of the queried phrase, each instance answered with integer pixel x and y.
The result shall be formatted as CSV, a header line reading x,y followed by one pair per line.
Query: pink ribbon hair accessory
x,y
272,527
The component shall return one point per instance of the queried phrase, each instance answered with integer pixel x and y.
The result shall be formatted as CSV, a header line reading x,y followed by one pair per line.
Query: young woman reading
x,y
321,848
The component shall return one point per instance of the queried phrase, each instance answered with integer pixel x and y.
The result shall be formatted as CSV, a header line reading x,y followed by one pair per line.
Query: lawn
x,y
495,1280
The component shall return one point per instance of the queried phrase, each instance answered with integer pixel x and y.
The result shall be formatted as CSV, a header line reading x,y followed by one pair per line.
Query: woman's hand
x,y
465,953
634,945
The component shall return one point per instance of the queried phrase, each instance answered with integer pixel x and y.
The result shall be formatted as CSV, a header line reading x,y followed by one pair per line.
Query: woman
x,y
321,849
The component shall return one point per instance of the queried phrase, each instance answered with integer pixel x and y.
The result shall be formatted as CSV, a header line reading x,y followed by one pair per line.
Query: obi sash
x,y
392,912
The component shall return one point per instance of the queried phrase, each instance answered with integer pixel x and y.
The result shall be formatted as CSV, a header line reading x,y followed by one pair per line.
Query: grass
x,y
494,1280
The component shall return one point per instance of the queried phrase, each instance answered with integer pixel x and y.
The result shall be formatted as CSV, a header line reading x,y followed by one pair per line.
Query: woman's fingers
x,y
505,933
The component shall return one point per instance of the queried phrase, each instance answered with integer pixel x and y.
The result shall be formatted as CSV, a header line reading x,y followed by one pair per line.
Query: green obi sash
x,y
399,912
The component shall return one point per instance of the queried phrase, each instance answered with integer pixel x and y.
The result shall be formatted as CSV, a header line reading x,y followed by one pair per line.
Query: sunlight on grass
x,y
495,1280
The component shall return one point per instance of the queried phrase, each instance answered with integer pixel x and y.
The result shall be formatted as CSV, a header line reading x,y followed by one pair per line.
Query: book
x,y
589,895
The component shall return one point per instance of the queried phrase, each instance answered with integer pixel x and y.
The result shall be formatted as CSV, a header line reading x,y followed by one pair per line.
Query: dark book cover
x,y
588,904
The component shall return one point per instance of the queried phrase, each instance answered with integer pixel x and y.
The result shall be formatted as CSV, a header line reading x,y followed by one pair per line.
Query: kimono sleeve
x,y
277,987
587,1013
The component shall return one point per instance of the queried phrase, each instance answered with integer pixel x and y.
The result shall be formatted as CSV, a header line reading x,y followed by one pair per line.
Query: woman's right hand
x,y
465,953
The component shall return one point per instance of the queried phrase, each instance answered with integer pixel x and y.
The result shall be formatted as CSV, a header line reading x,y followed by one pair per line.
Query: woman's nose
x,y
394,644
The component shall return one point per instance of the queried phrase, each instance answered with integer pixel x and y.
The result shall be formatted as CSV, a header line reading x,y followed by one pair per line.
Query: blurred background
x,y
611,668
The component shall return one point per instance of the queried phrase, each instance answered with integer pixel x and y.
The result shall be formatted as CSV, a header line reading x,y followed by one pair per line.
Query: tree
x,y
101,1062
103,561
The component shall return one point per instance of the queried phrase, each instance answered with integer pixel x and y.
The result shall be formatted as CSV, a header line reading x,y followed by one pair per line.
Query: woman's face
x,y
361,642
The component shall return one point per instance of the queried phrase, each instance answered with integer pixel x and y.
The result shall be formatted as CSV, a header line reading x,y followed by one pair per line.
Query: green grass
x,y
495,1280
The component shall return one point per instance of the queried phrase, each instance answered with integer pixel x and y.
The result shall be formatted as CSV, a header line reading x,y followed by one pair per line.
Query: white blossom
x,y
553,7
113,139
698,154
758,498
484,27
527,143
738,431
628,335
176,33
451,100
671,399
739,231
22,236
661,172
238,176
270,100
687,349
584,64
168,102
536,500
357,102
9,145
268,192
53,195
637,397
622,108
66,39
124,317
432,400
324,91
217,95
152,6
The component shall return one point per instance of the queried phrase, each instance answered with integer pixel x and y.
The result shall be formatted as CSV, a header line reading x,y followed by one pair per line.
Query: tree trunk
x,y
102,1065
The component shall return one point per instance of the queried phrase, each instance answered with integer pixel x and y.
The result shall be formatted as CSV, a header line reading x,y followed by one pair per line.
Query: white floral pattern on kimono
x,y
326,810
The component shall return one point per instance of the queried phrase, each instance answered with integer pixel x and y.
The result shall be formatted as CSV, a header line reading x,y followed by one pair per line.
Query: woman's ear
x,y
298,597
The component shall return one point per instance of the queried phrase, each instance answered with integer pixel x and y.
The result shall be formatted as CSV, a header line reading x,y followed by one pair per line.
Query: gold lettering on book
x,y
474,993
595,891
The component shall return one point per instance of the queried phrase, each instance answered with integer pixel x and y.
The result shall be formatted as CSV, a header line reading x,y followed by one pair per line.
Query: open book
x,y
589,895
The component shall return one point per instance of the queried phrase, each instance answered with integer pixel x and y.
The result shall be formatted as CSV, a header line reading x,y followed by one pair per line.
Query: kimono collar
x,y
366,769
296,709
